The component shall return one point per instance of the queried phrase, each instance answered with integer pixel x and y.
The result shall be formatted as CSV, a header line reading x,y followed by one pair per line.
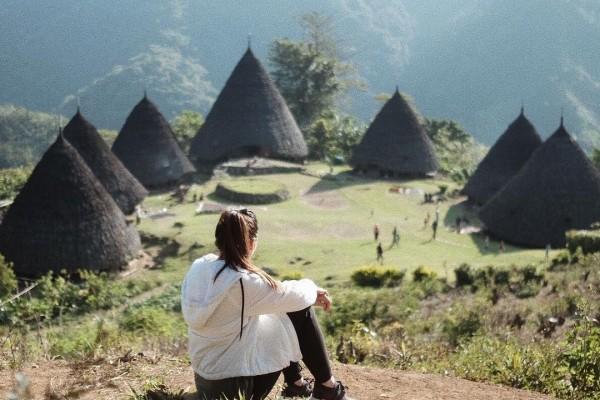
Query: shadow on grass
x,y
467,210
349,178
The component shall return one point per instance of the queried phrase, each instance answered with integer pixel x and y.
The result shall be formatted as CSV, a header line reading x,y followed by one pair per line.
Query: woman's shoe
x,y
292,390
321,392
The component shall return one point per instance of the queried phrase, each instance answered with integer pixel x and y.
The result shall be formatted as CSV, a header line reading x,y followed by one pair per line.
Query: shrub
x,y
587,240
484,276
146,319
429,287
527,290
464,275
501,277
85,340
55,296
12,180
580,362
377,277
8,280
529,274
423,273
292,276
508,362
374,307
462,326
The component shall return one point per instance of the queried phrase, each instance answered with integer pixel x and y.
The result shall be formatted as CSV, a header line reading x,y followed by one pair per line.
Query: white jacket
x,y
213,312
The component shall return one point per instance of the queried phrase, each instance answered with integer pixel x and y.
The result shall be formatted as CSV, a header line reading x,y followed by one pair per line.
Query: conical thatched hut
x,y
396,143
147,147
118,181
508,155
556,190
249,118
64,218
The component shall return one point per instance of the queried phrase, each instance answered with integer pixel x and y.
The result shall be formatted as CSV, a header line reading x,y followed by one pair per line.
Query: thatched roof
x,y
64,218
249,118
556,190
147,147
396,141
118,181
508,155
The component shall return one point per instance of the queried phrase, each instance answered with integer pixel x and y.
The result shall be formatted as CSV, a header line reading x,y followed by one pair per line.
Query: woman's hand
x,y
323,299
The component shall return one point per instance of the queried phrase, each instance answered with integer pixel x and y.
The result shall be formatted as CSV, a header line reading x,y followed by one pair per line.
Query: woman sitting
x,y
245,328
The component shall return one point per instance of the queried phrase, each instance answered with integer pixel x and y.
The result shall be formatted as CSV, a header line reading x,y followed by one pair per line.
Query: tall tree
x,y
185,126
310,73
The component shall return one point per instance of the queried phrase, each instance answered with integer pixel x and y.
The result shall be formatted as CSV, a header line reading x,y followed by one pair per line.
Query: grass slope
x,y
325,229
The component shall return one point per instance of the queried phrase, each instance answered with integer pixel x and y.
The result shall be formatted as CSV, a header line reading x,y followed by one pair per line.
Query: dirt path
x,y
113,380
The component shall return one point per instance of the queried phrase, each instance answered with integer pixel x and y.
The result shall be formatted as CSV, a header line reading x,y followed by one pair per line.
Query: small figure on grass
x,y
376,232
395,237
502,248
487,242
379,253
458,222
434,228
426,220
547,255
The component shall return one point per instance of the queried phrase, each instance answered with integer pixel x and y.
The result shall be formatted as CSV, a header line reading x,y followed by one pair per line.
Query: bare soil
x,y
327,200
116,379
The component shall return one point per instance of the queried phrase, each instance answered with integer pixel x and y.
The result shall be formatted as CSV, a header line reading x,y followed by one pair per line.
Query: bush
x,y
8,280
12,180
462,326
423,273
83,341
529,274
580,362
508,362
501,277
464,275
55,296
377,277
587,240
374,307
292,276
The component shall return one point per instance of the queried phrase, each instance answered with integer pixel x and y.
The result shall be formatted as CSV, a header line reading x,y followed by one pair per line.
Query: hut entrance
x,y
250,151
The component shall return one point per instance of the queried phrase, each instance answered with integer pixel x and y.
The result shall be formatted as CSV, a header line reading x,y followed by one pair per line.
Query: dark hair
x,y
235,234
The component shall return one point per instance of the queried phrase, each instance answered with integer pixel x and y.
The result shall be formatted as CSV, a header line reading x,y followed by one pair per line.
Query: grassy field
x,y
494,327
326,229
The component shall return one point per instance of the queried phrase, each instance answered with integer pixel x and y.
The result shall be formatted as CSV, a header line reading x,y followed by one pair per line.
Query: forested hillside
x,y
467,60
24,135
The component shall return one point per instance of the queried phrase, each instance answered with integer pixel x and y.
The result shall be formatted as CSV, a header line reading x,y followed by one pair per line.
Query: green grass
x,y
329,233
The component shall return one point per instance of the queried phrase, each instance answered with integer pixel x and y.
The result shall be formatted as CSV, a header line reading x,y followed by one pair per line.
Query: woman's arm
x,y
260,298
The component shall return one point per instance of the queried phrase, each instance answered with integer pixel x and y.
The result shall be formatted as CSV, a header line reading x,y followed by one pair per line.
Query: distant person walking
x,y
379,253
458,224
426,220
548,248
487,242
434,227
395,237
437,214
502,248
376,232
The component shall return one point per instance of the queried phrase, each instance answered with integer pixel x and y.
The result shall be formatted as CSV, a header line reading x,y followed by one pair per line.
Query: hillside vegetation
x,y
451,306
24,135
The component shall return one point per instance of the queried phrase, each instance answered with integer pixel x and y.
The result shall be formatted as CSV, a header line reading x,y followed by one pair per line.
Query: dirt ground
x,y
116,379
327,200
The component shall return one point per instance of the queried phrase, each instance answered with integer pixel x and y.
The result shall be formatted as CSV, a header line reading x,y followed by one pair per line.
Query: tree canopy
x,y
310,73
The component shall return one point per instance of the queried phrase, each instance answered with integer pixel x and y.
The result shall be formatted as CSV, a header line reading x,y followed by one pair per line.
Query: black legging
x,y
314,356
